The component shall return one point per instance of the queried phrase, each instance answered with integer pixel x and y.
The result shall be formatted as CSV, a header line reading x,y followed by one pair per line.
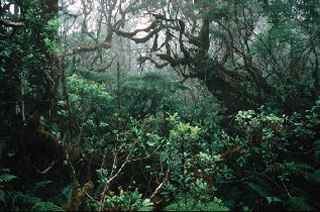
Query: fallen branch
x,y
11,24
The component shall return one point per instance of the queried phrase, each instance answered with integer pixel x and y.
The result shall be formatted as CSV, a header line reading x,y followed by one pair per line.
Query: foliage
x,y
233,124
129,201
16,200
194,205
147,95
268,149
299,204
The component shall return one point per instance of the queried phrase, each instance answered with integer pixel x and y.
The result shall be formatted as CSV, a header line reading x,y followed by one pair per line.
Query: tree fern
x,y
147,94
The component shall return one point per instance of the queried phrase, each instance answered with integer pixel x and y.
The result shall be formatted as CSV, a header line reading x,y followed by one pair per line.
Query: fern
x,y
299,204
259,189
45,206
26,198
40,185
25,201
63,195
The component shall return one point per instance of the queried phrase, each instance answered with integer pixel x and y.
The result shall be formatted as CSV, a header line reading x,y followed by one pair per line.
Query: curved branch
x,y
142,60
131,34
147,37
47,169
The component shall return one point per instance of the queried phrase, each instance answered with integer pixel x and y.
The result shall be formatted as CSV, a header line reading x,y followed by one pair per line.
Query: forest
x,y
159,105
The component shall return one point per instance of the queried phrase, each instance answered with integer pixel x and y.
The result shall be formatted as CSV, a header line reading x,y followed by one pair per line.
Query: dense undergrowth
x,y
76,139
260,160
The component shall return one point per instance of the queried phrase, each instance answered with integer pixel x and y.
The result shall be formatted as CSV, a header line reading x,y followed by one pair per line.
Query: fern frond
x,y
259,189
298,169
45,206
40,185
63,195
26,198
299,204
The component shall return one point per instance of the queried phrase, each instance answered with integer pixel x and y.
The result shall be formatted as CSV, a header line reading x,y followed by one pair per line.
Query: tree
x,y
29,72
224,46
